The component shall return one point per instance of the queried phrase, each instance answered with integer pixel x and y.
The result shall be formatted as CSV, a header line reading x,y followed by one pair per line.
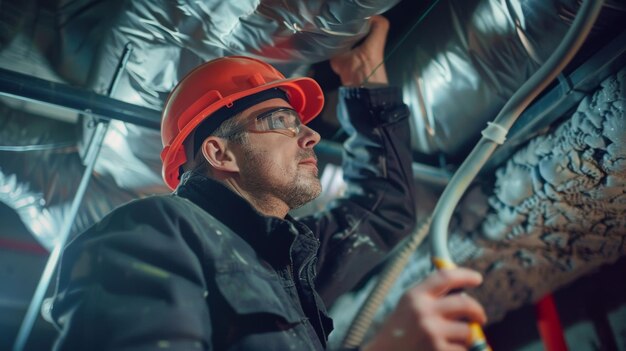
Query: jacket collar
x,y
271,237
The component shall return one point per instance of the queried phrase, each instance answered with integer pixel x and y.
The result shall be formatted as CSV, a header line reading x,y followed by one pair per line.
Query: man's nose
x,y
308,137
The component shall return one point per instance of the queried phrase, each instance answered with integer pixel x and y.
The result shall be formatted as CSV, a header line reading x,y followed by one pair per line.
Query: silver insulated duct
x,y
551,204
73,43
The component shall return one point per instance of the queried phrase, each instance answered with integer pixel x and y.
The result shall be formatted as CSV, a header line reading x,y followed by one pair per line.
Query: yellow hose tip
x,y
442,263
478,341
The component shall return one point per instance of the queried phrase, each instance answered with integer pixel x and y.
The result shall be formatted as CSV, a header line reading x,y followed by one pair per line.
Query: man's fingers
x,y
441,282
461,306
354,66
456,332
379,26
455,347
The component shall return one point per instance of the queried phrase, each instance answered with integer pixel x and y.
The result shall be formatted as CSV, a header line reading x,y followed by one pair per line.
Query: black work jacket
x,y
201,269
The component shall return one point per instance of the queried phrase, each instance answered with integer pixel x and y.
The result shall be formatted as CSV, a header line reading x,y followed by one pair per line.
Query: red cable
x,y
22,246
549,325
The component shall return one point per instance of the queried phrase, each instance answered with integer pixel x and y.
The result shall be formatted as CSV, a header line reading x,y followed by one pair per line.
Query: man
x,y
220,264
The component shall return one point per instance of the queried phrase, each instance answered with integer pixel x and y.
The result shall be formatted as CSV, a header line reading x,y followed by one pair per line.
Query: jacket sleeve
x,y
133,282
378,208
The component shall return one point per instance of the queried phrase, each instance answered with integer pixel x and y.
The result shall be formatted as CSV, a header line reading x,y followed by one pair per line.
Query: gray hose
x,y
468,170
573,40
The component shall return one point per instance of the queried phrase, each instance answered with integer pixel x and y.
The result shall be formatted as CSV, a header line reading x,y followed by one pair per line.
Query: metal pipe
x,y
46,277
90,161
28,88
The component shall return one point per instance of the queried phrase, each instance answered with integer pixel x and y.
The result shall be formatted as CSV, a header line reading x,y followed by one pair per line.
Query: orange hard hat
x,y
218,84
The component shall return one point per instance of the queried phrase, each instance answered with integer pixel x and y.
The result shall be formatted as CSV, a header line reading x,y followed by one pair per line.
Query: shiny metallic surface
x,y
34,91
171,38
68,221
468,57
39,185
476,61
72,43
91,157
457,69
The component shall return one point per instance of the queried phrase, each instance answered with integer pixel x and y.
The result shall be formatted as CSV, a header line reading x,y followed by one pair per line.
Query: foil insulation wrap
x,y
171,38
72,42
456,69
459,67
40,183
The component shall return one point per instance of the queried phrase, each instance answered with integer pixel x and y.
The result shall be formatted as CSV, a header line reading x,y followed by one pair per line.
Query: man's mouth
x,y
310,161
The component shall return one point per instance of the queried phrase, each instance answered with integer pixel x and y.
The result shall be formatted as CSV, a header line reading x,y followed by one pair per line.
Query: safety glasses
x,y
281,120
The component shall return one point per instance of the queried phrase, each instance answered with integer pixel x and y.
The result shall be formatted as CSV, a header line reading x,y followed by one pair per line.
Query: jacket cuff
x,y
384,103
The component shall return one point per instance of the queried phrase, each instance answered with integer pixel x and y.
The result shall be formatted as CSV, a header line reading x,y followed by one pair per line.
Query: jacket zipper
x,y
310,281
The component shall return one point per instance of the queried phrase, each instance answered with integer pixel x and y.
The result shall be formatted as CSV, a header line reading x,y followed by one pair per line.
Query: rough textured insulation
x,y
556,212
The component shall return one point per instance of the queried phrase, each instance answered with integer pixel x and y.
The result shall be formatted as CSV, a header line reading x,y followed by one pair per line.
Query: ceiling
x,y
457,61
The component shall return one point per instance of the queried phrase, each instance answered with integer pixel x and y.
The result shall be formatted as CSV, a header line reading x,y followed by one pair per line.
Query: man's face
x,y
278,164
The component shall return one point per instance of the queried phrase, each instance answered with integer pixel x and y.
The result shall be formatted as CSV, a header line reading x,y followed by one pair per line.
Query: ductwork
x,y
457,68
468,57
76,44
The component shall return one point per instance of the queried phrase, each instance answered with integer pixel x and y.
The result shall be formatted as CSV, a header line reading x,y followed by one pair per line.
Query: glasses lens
x,y
283,118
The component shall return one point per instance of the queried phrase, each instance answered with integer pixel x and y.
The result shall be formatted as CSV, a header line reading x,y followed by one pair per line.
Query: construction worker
x,y
220,264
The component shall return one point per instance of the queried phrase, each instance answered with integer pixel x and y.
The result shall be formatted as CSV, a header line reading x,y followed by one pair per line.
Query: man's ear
x,y
215,150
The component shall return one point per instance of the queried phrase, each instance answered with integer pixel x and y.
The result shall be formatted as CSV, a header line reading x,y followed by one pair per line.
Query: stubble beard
x,y
303,187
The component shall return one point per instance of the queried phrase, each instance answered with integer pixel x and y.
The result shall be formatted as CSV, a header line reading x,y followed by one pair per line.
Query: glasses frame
x,y
292,132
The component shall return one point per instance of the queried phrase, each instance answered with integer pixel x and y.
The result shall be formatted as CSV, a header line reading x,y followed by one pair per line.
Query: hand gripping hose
x,y
493,135
392,270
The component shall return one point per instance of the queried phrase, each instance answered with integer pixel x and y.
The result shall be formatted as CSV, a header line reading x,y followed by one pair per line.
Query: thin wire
x,y
406,35
40,147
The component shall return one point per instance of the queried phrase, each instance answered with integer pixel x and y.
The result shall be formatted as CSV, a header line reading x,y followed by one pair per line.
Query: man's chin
x,y
306,194
316,189
315,195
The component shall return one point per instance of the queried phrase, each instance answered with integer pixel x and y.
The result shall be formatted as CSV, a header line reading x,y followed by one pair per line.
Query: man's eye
x,y
283,120
280,121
